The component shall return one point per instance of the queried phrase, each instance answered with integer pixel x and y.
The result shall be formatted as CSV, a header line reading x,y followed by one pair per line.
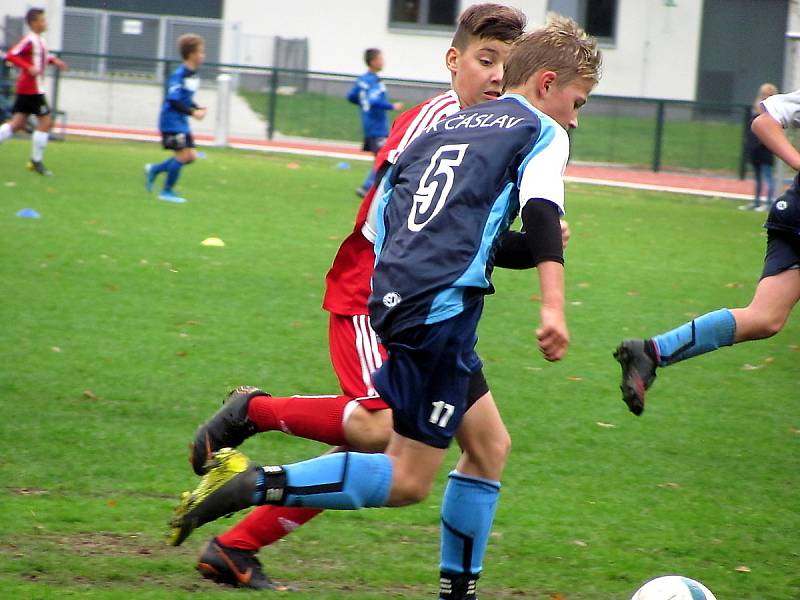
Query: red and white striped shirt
x,y
348,285
30,51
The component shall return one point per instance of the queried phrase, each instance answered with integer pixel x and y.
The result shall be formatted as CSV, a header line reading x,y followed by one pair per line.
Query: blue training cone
x,y
28,213
343,165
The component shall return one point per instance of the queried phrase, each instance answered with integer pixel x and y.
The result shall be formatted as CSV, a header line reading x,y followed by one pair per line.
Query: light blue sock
x,y
467,515
173,172
704,334
344,480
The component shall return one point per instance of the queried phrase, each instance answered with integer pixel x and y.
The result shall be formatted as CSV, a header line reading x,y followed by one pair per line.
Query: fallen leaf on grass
x,y
794,348
112,503
606,425
10,183
749,367
575,378
580,543
293,165
742,569
181,353
670,485
584,284
734,284
55,349
769,360
633,292
535,298
87,393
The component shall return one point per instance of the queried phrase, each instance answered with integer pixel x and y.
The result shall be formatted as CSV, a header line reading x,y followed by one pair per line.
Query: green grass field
x,y
120,332
699,145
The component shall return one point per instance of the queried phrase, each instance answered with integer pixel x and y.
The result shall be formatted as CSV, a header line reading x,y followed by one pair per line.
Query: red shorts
x,y
355,354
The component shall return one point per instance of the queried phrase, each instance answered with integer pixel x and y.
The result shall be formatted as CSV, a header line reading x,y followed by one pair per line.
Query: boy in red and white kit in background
x,y
31,57
357,419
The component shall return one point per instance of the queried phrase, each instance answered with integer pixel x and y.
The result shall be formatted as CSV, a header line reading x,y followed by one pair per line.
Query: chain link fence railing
x,y
277,103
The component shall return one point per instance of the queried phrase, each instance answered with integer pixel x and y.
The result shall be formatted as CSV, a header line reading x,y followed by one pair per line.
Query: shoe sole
x,y
148,183
633,387
177,200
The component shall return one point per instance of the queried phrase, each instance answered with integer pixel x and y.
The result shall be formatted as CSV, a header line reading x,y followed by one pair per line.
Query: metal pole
x,y
743,154
658,135
223,109
273,104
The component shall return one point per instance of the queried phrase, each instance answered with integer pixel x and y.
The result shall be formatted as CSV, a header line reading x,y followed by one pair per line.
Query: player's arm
x,y
14,56
542,234
773,136
60,64
514,252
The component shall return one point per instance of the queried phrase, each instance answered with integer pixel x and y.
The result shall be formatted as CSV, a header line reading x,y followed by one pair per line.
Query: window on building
x,y
425,14
597,17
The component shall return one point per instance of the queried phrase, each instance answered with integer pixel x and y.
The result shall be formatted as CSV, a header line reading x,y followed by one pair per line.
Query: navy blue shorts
x,y
426,379
176,141
373,144
783,252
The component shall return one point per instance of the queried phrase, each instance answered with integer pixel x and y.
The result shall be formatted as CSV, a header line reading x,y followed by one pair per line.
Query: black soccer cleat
x,y
458,586
38,167
232,566
228,428
638,373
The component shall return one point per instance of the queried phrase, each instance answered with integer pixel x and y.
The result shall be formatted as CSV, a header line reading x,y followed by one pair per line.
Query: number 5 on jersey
x,y
442,163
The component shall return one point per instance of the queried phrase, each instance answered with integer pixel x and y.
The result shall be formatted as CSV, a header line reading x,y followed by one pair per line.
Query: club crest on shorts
x,y
781,204
391,299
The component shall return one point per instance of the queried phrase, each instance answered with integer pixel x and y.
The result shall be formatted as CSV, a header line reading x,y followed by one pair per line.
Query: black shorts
x,y
783,253
431,378
177,141
373,144
31,104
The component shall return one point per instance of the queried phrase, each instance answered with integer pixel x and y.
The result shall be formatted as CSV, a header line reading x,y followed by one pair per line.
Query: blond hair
x,y
560,46
765,91
189,43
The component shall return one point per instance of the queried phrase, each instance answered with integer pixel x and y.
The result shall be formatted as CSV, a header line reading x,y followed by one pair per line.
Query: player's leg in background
x,y
758,172
470,498
355,354
183,156
8,128
770,184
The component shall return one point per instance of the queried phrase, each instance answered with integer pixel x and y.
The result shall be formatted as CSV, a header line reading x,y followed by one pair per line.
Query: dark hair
x,y
489,21
370,54
560,46
33,14
188,43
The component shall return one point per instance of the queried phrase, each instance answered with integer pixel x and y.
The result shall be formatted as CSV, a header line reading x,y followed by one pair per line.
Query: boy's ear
x,y
545,80
451,58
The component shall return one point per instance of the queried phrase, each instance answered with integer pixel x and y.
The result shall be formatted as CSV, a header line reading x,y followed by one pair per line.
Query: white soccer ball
x,y
673,587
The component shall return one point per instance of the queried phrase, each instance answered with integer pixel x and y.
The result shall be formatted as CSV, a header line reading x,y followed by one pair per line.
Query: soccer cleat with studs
x,y
38,167
233,566
458,586
638,373
231,484
228,428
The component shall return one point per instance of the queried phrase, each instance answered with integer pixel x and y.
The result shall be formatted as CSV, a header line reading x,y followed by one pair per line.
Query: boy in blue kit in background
x,y
777,292
370,94
453,192
173,121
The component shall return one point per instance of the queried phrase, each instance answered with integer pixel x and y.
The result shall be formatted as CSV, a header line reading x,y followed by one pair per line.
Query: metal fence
x,y
292,103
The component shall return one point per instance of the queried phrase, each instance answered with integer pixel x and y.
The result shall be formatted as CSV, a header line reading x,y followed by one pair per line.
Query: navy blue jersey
x,y
369,93
182,85
452,193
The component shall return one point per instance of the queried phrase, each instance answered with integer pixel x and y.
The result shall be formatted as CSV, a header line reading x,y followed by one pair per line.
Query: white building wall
x,y
655,53
54,10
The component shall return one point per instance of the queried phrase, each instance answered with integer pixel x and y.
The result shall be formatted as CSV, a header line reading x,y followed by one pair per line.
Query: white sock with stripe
x,y
39,141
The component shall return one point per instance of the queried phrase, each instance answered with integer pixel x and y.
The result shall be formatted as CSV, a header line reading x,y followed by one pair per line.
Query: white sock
x,y
39,142
5,132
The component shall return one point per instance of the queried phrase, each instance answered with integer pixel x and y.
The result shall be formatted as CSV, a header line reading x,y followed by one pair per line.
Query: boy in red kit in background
x,y
30,56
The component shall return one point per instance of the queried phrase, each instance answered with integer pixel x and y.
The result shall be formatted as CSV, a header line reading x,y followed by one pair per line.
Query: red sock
x,y
312,417
265,525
